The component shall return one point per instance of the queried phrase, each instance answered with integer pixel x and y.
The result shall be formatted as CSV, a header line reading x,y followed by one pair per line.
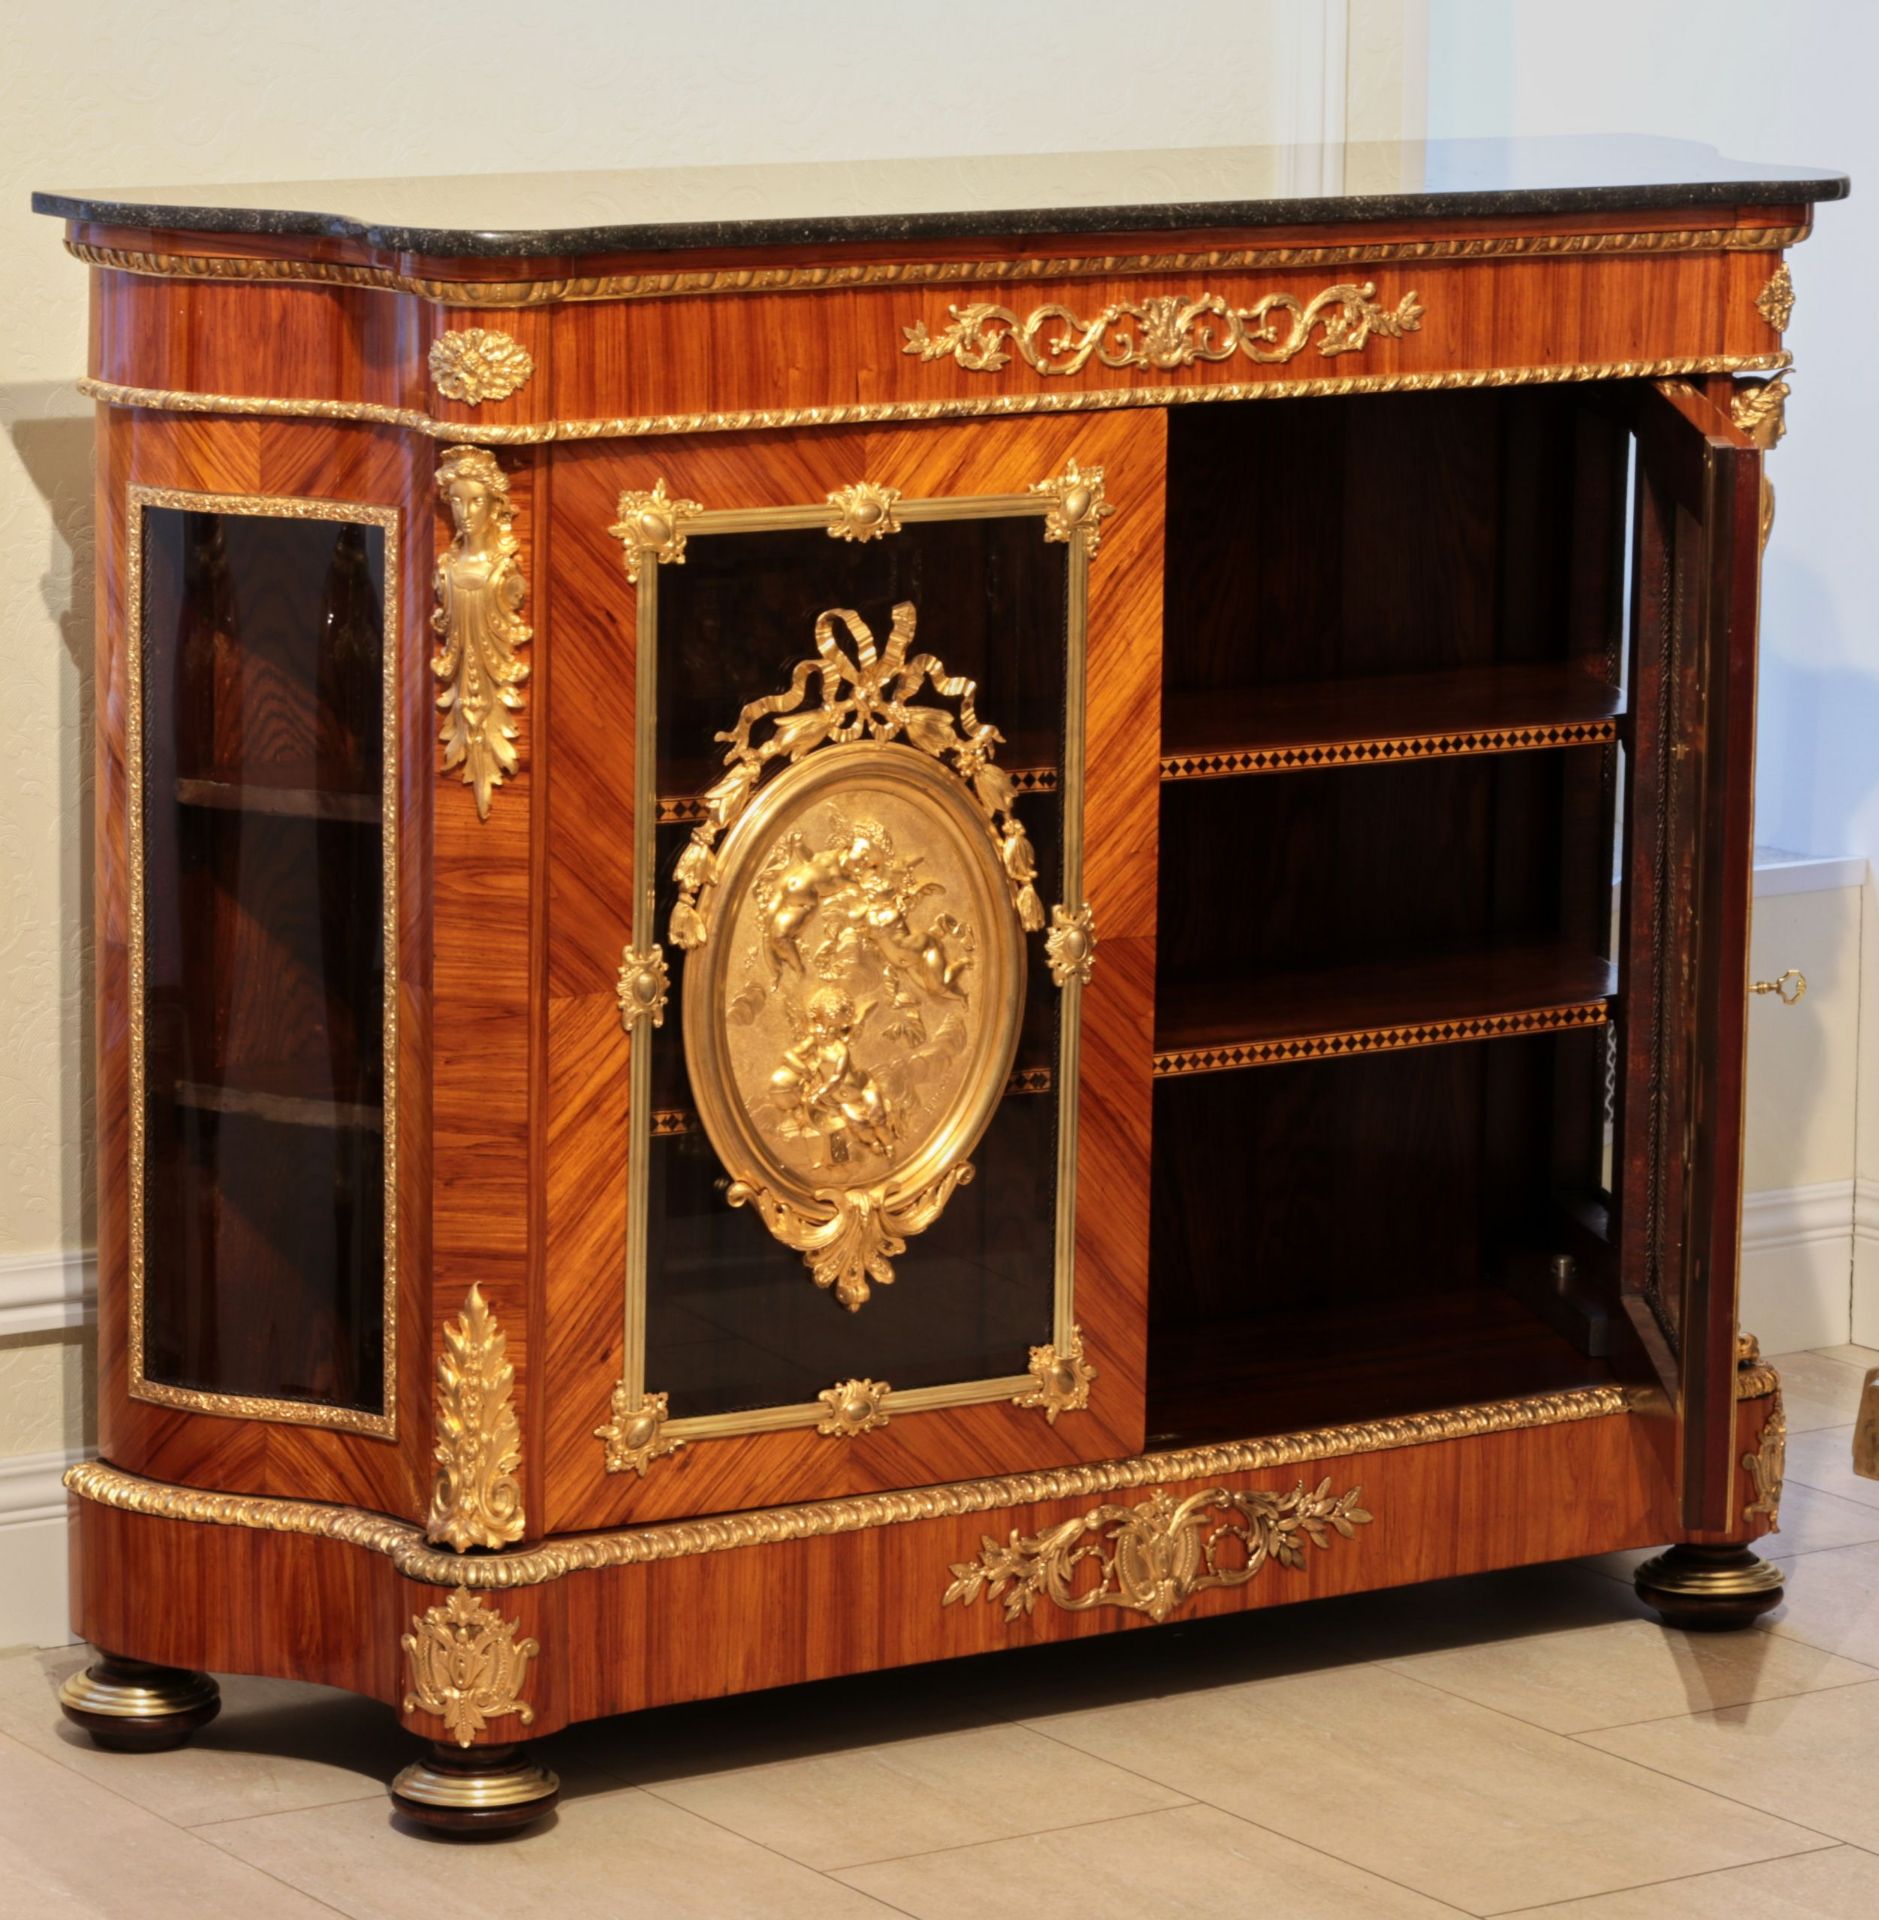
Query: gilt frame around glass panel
x,y
998,506
384,1424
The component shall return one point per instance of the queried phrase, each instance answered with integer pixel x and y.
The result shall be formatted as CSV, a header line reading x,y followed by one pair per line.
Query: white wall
x,y
1788,83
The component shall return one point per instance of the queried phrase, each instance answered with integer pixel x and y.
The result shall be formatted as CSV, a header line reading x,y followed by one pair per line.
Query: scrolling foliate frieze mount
x,y
480,590
467,1665
1164,332
476,1499
1155,1556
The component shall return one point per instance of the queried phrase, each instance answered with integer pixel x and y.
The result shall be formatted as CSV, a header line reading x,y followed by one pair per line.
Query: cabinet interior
x,y
1387,991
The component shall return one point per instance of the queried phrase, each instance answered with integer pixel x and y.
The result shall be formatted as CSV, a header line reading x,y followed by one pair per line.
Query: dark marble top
x,y
670,209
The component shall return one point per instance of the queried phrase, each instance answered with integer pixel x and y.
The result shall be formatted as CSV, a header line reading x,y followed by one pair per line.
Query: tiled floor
x,y
1528,1742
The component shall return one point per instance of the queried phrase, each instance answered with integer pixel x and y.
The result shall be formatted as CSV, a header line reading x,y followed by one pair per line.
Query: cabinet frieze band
x,y
845,276
755,419
406,1547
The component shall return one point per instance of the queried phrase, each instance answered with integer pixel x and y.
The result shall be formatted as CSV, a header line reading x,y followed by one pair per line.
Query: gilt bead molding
x,y
404,1545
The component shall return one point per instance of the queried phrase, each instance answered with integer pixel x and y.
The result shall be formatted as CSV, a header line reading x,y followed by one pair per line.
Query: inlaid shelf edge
x,y
1380,719
1349,1012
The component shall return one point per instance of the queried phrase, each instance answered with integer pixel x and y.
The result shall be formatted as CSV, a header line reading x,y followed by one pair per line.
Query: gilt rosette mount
x,y
854,908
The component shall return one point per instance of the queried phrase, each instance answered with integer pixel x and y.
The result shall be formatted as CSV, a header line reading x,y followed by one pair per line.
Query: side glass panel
x,y
734,1321
263,984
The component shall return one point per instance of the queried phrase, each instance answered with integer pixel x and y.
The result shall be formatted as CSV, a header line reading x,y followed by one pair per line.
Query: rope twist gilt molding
x,y
997,406
405,1547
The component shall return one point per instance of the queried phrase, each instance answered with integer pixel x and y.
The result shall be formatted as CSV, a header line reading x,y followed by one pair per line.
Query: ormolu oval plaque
x,y
852,1020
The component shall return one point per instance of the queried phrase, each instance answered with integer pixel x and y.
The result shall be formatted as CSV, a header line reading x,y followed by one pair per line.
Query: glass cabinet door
x,y
263,963
857,980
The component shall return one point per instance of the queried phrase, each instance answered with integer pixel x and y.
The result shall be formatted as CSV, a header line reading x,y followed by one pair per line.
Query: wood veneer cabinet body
x,y
1388,1146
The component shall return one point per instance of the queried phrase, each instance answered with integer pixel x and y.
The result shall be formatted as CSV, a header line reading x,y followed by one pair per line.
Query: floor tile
x,y
1631,1670
877,1802
274,1747
1807,1759
1433,1792
1852,1356
1812,1522
69,1848
1832,1602
1195,1863
1840,1883
1824,1459
617,1853
1818,1391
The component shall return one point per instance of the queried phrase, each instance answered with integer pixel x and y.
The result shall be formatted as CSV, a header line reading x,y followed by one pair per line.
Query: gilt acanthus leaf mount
x,y
1164,332
1155,1556
476,1500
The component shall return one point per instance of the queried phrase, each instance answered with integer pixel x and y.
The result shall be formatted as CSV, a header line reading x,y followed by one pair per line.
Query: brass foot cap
x,y
133,1707
475,1790
1710,1587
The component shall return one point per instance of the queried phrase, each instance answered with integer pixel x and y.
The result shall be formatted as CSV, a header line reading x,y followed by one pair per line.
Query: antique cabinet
x,y
796,972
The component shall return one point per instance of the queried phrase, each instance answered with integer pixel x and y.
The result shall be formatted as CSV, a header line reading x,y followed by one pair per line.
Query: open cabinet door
x,y
1686,913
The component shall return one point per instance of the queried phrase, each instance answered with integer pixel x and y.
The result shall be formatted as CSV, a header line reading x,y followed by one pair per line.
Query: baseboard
x,y
45,1292
1866,1263
1797,1266
32,1550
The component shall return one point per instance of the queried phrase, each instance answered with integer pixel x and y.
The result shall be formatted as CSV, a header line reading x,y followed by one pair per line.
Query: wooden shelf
x,y
1295,1369
306,803
1346,1012
1385,720
284,1108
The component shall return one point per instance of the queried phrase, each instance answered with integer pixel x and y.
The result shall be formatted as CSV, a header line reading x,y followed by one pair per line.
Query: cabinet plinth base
x,y
475,1789
133,1707
1710,1588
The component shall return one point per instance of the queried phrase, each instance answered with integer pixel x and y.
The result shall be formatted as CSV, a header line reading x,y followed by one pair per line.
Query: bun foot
x,y
1709,1589
133,1707
475,1789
